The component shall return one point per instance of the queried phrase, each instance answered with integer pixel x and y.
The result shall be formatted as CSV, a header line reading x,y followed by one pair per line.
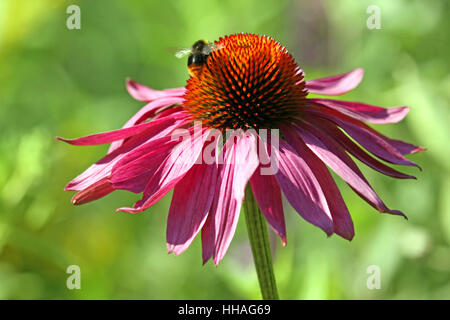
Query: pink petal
x,y
240,161
365,112
355,150
404,147
208,230
110,136
267,193
246,161
96,191
336,158
147,112
224,211
134,170
336,85
102,168
342,221
370,139
208,237
172,169
301,188
191,201
143,93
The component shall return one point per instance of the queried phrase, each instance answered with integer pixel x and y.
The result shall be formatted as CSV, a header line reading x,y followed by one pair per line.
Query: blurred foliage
x,y
56,81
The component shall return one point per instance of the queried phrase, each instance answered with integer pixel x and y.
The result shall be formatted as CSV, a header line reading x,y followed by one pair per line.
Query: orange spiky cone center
x,y
249,81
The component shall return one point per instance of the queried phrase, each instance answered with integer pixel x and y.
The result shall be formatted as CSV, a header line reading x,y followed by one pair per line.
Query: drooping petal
x,y
373,141
246,161
267,193
336,158
191,202
224,213
238,168
110,136
143,93
208,242
365,112
208,236
102,168
301,188
405,147
342,221
96,191
336,85
133,171
239,162
337,135
173,168
149,111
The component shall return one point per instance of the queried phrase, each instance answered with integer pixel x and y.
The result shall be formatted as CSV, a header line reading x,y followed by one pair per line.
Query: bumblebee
x,y
198,55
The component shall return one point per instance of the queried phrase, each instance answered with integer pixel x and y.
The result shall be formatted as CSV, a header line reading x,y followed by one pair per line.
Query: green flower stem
x,y
259,242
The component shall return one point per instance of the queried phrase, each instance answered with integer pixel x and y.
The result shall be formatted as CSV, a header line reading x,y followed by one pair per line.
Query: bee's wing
x,y
211,47
182,52
179,52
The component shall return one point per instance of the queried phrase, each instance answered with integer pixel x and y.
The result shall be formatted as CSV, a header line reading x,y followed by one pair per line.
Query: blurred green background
x,y
56,81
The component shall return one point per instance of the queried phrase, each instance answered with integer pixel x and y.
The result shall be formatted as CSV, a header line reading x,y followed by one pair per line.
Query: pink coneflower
x,y
247,83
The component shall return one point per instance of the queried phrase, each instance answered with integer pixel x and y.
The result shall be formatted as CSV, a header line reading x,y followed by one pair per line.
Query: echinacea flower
x,y
248,83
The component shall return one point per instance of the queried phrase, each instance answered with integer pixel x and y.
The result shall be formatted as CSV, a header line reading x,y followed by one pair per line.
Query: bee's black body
x,y
199,54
